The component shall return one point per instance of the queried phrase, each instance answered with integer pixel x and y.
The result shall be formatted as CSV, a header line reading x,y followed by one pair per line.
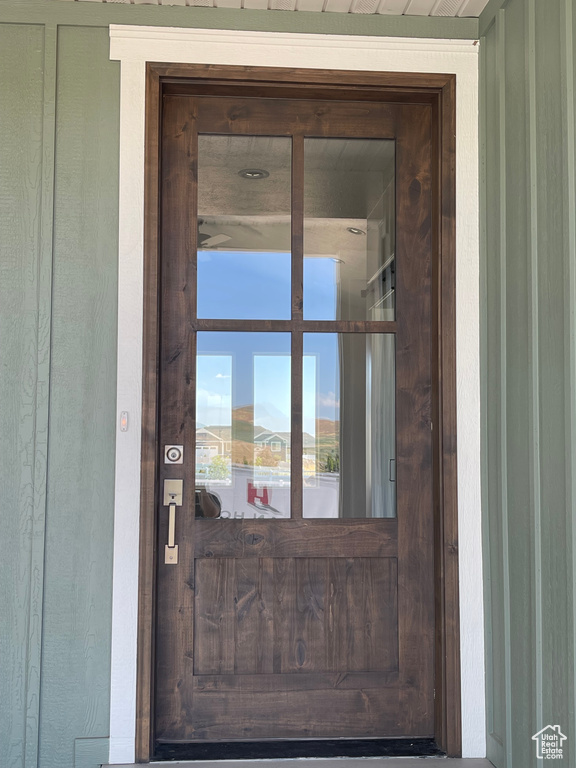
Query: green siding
x,y
59,108
495,649
23,409
529,386
79,527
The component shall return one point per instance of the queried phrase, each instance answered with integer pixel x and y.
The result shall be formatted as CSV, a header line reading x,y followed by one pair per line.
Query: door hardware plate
x,y
171,555
173,492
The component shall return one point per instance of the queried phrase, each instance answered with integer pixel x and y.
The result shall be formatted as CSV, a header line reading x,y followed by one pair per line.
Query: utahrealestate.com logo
x,y
549,743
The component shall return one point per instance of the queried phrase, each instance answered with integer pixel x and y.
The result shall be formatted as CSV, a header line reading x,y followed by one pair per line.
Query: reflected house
x,y
275,446
213,454
212,441
278,444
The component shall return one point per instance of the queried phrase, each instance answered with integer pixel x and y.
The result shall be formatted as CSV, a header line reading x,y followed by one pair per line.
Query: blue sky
x,y
256,286
244,285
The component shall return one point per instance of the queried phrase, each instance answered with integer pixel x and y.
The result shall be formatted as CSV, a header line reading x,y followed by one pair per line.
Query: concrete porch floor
x,y
331,762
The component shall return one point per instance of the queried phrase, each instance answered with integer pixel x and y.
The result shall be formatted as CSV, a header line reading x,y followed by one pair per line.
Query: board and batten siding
x,y
24,348
528,358
59,108
58,287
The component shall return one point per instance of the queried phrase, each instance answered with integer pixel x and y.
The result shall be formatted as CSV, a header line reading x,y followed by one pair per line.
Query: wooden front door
x,y
295,380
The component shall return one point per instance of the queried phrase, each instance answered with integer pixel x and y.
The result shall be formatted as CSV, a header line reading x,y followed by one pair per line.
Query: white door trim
x,y
133,47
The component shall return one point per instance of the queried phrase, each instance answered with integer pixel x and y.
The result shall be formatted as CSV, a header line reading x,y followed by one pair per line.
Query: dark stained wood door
x,y
284,625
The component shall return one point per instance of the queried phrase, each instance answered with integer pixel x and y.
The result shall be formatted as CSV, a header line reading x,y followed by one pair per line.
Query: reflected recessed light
x,y
253,173
339,261
355,231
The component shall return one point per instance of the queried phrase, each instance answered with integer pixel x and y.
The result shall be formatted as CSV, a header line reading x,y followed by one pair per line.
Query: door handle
x,y
172,498
171,526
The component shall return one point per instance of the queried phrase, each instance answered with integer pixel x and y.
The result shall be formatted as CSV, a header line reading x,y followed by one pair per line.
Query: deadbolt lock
x,y
173,454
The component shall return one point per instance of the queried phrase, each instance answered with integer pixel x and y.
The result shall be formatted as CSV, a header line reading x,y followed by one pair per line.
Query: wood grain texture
x,y
279,682
150,365
79,532
96,15
231,715
332,614
254,628
214,644
414,414
251,116
175,628
303,615
447,663
25,344
90,752
45,268
287,538
301,326
297,579
297,226
313,83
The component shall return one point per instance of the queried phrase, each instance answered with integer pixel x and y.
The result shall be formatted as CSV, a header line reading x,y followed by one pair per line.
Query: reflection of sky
x,y
272,405
321,376
259,365
214,390
244,285
237,369
248,285
320,288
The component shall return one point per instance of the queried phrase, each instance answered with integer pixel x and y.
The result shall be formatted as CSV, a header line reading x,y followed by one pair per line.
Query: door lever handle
x,y
172,499
171,526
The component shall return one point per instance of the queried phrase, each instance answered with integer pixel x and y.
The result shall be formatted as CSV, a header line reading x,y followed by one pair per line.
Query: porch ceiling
x,y
454,8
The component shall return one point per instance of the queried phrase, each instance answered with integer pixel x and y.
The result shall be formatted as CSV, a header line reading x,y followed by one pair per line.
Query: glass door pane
x,y
349,433
243,425
349,231
244,268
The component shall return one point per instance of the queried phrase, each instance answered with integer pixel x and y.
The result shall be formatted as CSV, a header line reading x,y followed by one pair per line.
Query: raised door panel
x,y
295,615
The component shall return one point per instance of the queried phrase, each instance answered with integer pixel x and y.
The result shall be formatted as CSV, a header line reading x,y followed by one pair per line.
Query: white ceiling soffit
x,y
458,8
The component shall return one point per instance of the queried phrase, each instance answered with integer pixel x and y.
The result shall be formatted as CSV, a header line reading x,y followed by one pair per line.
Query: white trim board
x,y
133,47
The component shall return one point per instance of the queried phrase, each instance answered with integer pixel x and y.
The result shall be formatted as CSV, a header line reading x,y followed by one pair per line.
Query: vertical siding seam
x,y
41,416
501,58
489,16
534,382
570,353
484,365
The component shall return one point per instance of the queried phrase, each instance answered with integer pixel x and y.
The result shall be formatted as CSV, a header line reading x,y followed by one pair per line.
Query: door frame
x,y
439,90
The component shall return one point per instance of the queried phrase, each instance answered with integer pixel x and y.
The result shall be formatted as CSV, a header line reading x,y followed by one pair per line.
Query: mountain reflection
x,y
243,443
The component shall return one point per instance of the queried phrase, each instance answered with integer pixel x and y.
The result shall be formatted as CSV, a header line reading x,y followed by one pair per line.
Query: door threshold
x,y
325,762
285,749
